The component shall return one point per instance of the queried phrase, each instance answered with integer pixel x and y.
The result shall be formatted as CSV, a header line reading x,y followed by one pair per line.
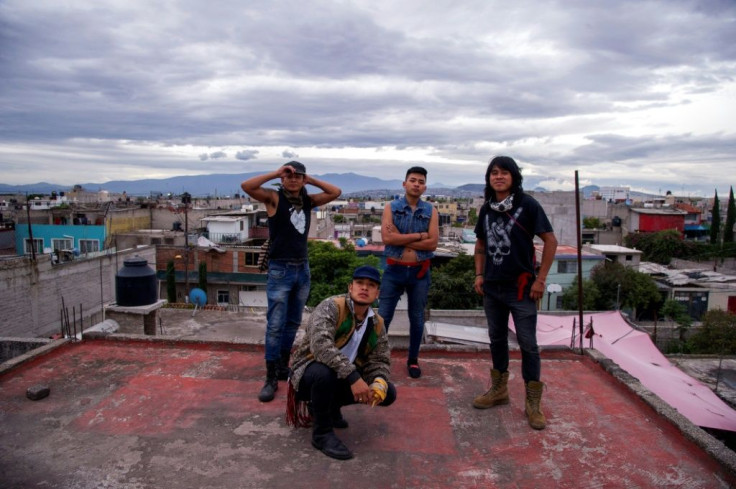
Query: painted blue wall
x,y
47,232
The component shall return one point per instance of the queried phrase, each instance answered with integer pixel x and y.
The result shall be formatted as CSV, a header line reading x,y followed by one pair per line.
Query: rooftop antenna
x,y
578,232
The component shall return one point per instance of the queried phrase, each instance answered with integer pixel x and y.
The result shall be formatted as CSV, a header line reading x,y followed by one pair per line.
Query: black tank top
x,y
288,229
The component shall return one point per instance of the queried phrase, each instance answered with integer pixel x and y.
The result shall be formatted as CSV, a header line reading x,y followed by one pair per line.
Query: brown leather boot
x,y
534,405
498,393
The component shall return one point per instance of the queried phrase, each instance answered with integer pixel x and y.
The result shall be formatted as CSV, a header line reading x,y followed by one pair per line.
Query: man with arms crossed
x,y
410,232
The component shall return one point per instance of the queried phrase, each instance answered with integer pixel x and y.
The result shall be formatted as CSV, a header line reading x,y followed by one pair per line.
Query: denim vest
x,y
408,222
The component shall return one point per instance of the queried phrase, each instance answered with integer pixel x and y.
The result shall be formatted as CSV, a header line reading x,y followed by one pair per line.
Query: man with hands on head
x,y
344,358
289,212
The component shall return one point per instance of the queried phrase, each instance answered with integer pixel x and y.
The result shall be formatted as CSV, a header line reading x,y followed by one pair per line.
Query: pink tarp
x,y
634,352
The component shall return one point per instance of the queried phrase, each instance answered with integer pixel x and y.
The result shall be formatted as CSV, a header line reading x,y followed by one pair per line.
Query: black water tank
x,y
135,283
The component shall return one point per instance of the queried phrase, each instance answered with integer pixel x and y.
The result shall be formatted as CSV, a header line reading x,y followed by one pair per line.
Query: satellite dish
x,y
551,288
198,297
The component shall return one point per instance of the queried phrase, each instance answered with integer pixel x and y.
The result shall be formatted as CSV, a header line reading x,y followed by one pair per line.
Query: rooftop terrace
x,y
139,412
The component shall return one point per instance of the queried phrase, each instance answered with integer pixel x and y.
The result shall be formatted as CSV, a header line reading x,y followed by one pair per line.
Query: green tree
x,y
630,288
717,335
591,296
170,282
472,216
676,312
730,219
715,225
452,285
659,247
639,292
592,223
332,268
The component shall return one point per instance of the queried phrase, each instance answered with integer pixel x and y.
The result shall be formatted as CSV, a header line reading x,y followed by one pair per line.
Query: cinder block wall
x,y
32,292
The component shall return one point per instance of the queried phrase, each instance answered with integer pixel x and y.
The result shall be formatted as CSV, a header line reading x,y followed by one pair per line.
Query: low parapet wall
x,y
11,347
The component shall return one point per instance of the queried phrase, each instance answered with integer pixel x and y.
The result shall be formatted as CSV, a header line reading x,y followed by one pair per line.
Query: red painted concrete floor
x,y
125,414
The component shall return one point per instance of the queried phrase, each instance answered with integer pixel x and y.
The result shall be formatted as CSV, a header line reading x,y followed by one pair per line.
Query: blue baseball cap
x,y
366,271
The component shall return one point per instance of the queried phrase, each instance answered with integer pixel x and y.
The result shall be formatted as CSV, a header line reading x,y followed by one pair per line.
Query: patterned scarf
x,y
503,206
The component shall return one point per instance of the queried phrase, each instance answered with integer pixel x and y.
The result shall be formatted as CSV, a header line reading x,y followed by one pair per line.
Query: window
x,y
251,259
37,246
62,244
89,245
629,258
223,297
566,266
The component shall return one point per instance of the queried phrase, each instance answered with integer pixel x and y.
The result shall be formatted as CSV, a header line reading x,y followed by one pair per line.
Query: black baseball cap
x,y
367,271
299,169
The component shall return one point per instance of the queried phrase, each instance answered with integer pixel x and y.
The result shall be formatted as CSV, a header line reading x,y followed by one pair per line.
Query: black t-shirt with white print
x,y
509,238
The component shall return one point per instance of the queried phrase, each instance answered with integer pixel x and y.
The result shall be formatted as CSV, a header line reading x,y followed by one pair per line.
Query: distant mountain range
x,y
220,185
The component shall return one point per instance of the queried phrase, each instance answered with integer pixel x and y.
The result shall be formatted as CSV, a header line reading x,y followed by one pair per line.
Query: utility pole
x,y
186,199
30,230
578,231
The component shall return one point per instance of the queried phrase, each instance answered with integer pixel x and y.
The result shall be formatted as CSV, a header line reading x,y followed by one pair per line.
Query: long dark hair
x,y
507,163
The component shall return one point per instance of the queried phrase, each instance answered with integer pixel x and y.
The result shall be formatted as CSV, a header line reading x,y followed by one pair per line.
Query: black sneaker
x,y
414,371
329,444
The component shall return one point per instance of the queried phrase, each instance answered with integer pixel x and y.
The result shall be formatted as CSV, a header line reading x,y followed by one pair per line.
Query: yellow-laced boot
x,y
498,393
534,405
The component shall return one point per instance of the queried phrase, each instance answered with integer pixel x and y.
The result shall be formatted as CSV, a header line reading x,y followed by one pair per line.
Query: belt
x,y
424,264
289,263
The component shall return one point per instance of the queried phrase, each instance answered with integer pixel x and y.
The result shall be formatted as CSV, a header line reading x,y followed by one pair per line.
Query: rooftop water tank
x,y
135,283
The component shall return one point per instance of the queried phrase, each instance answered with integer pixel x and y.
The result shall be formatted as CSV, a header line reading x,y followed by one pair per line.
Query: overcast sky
x,y
637,93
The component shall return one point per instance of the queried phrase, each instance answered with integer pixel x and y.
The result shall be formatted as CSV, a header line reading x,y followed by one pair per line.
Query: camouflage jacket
x,y
330,326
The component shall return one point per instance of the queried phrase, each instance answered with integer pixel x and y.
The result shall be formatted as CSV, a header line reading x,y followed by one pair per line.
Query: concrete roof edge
x,y
694,433
143,338
30,355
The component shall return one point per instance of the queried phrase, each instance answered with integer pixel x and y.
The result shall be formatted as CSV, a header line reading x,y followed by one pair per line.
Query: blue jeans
x,y
287,290
397,279
498,301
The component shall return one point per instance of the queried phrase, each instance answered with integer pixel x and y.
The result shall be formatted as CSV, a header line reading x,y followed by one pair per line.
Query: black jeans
x,y
320,385
500,301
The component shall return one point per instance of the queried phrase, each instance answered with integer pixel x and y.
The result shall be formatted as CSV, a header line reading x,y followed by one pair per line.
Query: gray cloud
x,y
610,88
246,155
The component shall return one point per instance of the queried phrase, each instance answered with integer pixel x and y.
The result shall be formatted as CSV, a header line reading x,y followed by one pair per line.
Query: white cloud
x,y
632,93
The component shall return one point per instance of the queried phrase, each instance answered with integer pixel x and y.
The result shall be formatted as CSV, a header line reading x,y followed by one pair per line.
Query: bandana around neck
x,y
295,200
503,206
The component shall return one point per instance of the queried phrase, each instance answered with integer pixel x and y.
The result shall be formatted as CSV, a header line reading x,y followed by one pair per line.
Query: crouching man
x,y
344,358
